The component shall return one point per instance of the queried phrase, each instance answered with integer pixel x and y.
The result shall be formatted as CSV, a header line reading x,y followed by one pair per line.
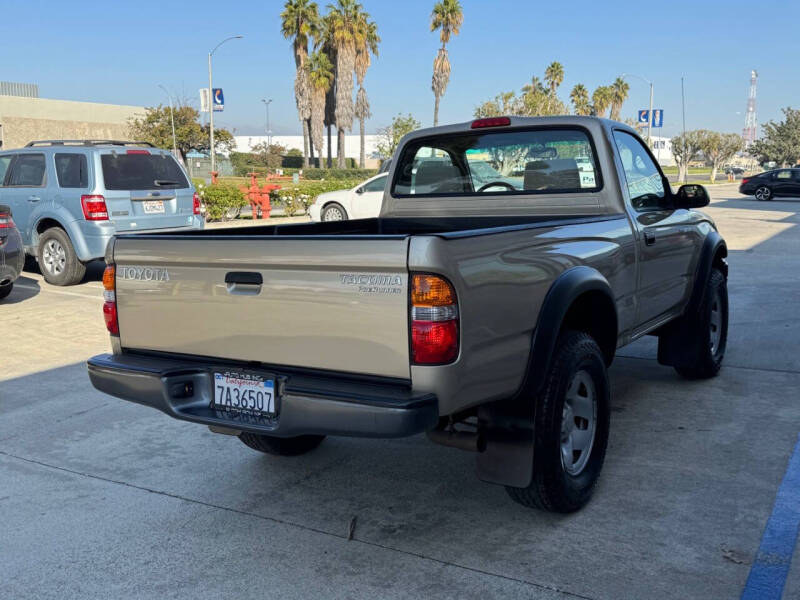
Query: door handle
x,y
243,283
649,238
33,198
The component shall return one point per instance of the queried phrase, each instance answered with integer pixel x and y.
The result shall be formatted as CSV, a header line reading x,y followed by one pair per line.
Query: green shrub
x,y
199,184
222,200
360,174
297,198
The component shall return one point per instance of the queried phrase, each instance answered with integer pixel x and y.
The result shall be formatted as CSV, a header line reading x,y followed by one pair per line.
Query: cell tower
x,y
750,130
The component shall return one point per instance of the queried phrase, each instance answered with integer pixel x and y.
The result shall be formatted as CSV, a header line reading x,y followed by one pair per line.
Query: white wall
x,y
662,148
352,143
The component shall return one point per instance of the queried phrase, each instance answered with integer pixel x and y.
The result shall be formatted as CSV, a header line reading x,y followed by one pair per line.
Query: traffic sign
x,y
219,99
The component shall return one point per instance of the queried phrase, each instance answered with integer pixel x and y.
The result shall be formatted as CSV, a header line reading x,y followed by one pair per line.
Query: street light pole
x,y
211,101
650,113
268,131
172,121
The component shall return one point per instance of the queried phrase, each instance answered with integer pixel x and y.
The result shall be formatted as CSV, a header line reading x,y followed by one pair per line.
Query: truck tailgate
x,y
338,304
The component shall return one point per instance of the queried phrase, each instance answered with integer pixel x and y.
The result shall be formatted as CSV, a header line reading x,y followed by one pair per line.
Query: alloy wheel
x,y
578,423
54,257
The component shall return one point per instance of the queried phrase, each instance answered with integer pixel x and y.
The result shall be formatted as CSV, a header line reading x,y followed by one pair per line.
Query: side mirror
x,y
360,190
692,196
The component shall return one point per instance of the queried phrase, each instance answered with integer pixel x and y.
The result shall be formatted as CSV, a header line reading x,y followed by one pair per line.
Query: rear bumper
x,y
309,403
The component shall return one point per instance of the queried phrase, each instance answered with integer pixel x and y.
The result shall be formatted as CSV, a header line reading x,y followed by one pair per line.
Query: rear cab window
x,y
521,161
141,170
72,170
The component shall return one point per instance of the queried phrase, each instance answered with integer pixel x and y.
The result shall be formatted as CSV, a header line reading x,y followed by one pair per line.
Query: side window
x,y
376,185
645,186
783,174
71,170
28,171
4,162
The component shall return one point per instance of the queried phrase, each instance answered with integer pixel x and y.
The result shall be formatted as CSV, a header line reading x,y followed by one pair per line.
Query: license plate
x,y
152,207
245,393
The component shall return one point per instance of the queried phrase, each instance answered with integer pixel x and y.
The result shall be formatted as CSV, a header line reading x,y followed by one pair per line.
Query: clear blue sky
x,y
118,52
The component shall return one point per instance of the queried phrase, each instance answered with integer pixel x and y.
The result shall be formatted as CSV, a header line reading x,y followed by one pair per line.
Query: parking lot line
x,y
771,565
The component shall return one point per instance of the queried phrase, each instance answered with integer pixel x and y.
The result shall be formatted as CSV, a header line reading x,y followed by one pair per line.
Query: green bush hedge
x,y
360,174
297,198
222,200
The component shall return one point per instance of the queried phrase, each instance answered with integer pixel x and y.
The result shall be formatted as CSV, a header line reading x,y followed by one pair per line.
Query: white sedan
x,y
361,202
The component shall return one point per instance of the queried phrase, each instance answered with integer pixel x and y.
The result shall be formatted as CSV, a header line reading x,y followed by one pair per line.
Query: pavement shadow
x,y
24,288
94,269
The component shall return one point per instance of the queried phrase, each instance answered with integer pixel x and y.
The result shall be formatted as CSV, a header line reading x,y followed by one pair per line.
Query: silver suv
x,y
69,197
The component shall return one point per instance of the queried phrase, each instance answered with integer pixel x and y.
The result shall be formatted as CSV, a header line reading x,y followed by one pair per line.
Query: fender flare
x,y
508,424
711,246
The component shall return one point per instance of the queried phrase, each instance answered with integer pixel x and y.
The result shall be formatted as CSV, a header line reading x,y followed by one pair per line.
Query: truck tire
x,y
570,429
57,259
334,212
292,446
709,327
5,290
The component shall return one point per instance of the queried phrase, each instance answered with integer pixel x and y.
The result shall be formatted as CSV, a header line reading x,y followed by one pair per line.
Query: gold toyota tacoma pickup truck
x,y
483,311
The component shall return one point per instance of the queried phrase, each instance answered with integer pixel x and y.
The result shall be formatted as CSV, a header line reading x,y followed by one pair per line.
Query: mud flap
x,y
508,432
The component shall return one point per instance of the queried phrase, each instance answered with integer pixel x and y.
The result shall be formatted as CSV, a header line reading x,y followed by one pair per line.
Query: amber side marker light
x,y
110,297
434,320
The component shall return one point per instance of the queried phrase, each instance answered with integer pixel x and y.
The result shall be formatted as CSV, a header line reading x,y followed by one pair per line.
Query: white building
x,y
352,145
662,148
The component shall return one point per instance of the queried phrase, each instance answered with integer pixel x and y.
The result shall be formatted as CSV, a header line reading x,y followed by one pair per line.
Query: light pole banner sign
x,y
658,117
219,100
203,99
643,116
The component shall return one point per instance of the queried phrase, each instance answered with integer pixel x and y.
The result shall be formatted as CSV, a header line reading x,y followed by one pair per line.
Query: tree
x,y
619,93
505,103
299,21
320,79
580,100
554,75
269,155
390,136
447,16
155,127
344,20
781,141
686,148
367,40
719,148
601,100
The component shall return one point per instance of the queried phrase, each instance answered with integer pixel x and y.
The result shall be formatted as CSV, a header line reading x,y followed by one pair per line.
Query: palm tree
x,y
447,16
619,93
580,100
554,75
367,40
344,16
299,20
601,100
320,79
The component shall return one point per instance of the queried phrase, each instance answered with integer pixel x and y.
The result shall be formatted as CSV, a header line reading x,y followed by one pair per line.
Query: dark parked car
x,y
765,186
12,255
734,171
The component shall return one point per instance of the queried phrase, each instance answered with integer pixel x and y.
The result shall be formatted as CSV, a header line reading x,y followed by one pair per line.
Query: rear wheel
x,y
5,290
334,212
57,259
571,428
763,193
292,446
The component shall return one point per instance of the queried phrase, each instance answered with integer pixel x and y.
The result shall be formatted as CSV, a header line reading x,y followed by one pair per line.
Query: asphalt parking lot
x,y
106,499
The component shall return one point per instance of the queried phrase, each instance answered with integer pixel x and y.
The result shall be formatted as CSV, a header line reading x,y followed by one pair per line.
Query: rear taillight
x,y
94,208
6,222
110,298
434,320
196,204
745,181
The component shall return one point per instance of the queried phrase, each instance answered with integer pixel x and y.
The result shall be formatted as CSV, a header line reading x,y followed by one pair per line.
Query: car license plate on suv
x,y
245,393
152,207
